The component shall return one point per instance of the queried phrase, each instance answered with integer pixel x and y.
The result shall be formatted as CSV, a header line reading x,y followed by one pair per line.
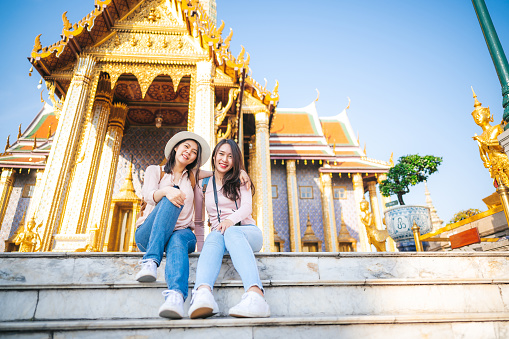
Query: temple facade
x,y
125,79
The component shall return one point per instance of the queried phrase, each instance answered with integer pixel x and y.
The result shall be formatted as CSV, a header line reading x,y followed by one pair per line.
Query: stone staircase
x,y
345,295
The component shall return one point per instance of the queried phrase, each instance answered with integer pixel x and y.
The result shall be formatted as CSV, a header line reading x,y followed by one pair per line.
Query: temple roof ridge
x,y
99,26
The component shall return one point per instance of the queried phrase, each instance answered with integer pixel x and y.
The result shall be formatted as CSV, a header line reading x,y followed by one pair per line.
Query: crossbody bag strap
x,y
215,196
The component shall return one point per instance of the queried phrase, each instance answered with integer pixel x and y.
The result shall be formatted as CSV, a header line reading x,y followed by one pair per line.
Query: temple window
x,y
274,192
306,192
339,192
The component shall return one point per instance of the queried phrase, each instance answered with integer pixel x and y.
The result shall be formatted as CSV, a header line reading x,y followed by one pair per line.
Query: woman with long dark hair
x,y
229,206
166,223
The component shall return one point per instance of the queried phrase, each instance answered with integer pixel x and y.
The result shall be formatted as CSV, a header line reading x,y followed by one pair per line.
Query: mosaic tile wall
x,y
146,146
307,175
280,204
346,207
15,207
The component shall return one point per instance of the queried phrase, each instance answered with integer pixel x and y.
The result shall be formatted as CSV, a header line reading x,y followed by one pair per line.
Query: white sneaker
x,y
203,304
148,272
252,305
173,306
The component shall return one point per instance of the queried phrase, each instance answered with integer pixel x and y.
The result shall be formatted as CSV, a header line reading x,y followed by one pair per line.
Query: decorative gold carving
x,y
146,73
376,237
118,114
153,16
220,112
133,42
492,154
293,207
104,91
37,44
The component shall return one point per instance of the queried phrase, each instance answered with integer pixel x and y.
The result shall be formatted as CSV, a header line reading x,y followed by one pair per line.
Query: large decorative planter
x,y
400,219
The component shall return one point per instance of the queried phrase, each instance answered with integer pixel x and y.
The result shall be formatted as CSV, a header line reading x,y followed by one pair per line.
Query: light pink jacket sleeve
x,y
151,183
245,208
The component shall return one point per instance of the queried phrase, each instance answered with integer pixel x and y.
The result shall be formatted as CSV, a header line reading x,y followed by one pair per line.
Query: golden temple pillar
x,y
85,172
101,200
204,104
6,183
252,170
375,207
293,207
390,244
329,219
358,191
50,199
263,183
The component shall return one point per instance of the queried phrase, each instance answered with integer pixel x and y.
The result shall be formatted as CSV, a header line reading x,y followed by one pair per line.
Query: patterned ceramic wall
x,y
280,204
346,207
307,175
15,208
146,146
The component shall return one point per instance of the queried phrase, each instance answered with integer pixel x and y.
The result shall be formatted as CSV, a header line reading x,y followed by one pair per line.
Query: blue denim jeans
x,y
240,242
157,235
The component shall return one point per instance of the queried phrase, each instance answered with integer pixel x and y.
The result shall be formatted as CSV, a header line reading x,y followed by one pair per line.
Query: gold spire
x,y
476,102
19,131
35,143
127,192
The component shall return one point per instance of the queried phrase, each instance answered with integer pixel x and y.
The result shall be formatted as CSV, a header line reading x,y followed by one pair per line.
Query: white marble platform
x,y
19,269
375,295
437,326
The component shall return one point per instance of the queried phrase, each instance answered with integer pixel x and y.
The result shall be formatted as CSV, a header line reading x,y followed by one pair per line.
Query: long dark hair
x,y
168,168
231,181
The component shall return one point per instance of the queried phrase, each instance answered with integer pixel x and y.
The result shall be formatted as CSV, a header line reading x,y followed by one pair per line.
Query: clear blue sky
x,y
406,65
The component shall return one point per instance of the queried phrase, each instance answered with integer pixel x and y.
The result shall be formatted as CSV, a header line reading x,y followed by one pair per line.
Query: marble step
x,y
286,298
431,326
17,269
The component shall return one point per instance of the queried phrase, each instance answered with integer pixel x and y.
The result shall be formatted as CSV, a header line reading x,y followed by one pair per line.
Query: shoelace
x,y
170,295
146,261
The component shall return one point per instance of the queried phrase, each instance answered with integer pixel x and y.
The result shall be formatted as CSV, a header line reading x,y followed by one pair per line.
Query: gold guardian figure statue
x,y
376,237
492,154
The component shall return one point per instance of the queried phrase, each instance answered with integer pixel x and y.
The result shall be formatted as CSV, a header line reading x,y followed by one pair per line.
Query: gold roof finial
x,y
19,131
127,191
35,143
7,145
349,101
317,94
49,132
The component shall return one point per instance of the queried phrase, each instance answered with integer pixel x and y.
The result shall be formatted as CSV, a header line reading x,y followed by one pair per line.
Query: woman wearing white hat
x,y
166,223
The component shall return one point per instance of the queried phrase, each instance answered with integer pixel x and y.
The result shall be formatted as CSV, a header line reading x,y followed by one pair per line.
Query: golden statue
x,y
492,154
28,239
376,237
93,241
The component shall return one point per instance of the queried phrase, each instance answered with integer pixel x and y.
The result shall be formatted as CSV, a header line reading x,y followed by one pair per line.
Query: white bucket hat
x,y
205,148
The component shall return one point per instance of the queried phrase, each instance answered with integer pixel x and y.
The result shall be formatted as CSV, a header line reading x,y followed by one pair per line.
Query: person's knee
x,y
233,233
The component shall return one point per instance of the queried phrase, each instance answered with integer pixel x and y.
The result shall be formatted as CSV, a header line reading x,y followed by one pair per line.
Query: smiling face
x,y
186,152
223,159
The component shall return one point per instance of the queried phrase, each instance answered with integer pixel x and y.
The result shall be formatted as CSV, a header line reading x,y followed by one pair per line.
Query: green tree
x,y
409,171
463,215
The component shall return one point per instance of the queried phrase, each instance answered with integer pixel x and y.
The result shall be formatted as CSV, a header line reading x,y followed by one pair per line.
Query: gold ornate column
x,y
252,171
101,200
293,206
391,244
263,183
85,171
329,219
6,183
358,191
204,104
49,203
